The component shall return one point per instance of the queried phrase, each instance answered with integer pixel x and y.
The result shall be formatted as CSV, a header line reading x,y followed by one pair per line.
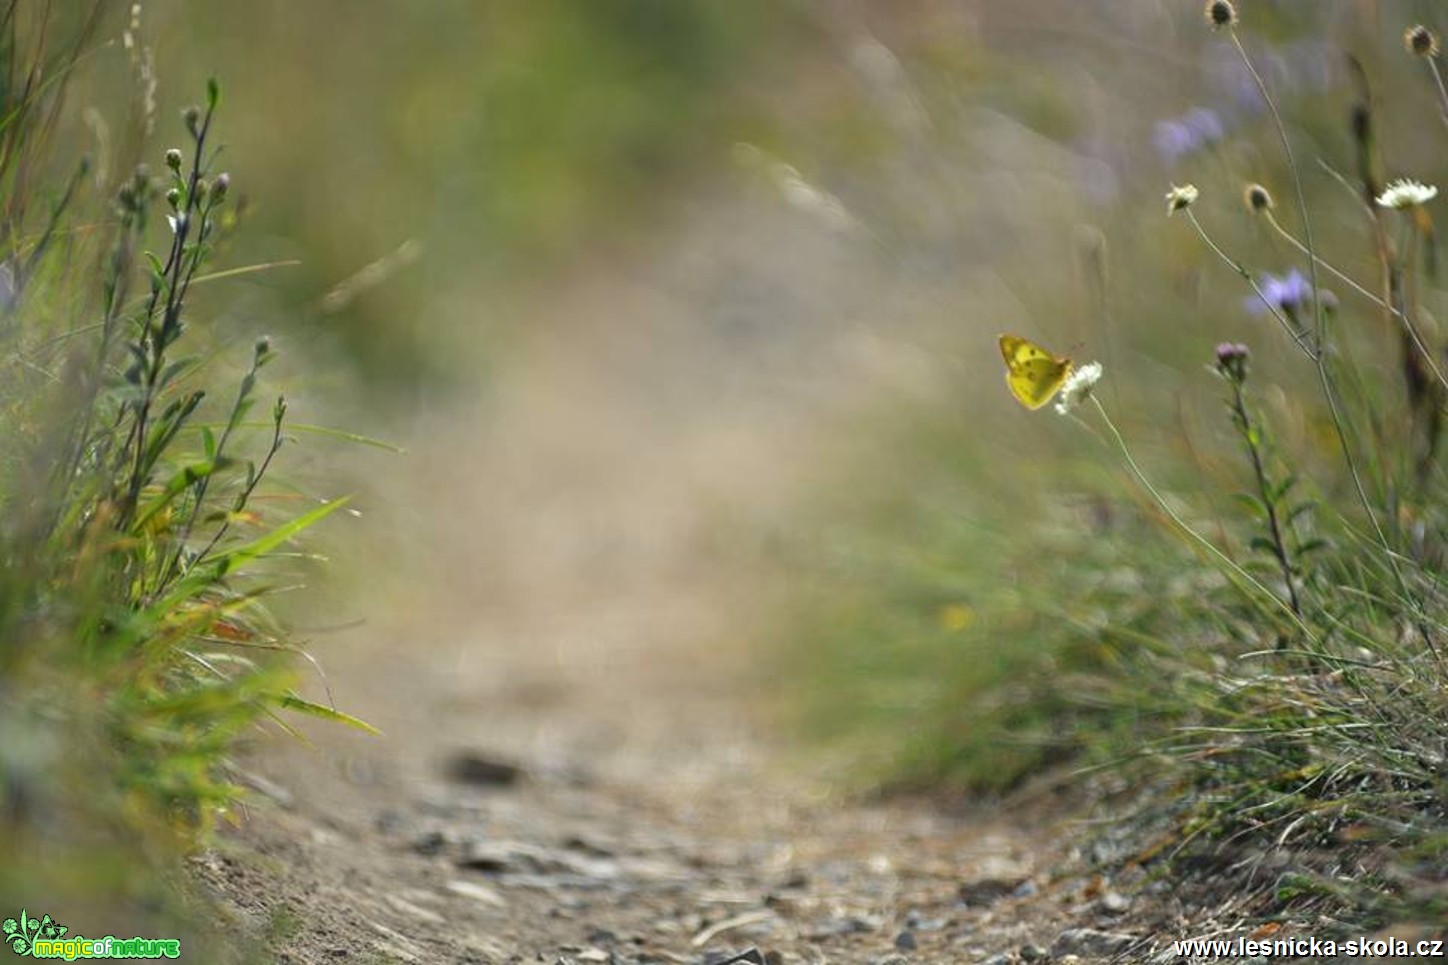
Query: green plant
x,y
139,537
1270,684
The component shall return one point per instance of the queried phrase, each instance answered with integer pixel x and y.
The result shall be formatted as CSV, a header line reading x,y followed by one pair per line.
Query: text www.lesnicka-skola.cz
x,y
1313,947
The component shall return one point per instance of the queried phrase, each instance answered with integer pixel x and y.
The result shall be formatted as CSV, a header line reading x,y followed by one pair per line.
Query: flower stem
x,y
1287,324
1274,525
1231,566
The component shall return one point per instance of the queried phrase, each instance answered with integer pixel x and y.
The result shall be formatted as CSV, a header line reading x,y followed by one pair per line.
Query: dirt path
x,y
571,603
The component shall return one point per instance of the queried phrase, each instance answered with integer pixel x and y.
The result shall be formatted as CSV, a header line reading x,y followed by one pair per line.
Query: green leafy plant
x,y
139,532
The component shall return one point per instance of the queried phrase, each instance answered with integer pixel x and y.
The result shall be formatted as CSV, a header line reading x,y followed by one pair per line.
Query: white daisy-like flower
x,y
1077,387
1406,193
1180,197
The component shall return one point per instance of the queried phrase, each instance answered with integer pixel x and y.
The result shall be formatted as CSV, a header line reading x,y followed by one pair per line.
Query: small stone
x,y
1090,941
1114,902
1032,953
416,911
429,843
471,767
844,925
1025,889
987,891
1000,958
750,956
594,955
477,892
601,936
390,821
489,856
905,941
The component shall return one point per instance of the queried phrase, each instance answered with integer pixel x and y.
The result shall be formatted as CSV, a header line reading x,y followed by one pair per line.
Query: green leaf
x,y
179,483
293,702
203,576
1251,504
327,432
1264,544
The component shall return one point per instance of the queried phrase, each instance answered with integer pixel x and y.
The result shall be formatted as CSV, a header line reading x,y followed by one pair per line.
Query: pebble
x,y
905,941
1090,941
477,892
987,891
1114,902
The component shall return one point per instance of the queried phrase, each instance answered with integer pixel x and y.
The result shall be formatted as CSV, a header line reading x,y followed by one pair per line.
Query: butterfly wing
x,y
1033,374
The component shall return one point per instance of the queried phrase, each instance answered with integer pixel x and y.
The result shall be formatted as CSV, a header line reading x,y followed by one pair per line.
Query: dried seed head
x,y
1421,41
1258,198
1221,13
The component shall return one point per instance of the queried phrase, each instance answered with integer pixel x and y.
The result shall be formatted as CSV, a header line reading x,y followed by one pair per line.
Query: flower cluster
x,y
1405,193
1077,387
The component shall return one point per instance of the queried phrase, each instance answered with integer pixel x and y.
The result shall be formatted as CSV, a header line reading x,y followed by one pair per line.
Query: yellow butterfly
x,y
1033,374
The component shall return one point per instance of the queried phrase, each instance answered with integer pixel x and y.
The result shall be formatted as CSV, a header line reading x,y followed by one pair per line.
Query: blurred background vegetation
x,y
845,203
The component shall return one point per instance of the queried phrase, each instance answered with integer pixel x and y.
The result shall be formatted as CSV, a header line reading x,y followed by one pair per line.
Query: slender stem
x,y
1274,525
1329,392
1401,314
1442,91
1287,324
1231,565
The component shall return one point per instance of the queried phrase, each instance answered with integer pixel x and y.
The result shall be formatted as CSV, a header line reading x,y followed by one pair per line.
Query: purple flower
x,y
1285,294
1207,125
1173,140
1232,361
1179,136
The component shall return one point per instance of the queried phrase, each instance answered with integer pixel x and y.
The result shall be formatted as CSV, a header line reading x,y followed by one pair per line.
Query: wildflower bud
x,y
1232,362
192,118
1221,13
173,198
173,159
1420,41
142,178
126,197
203,188
1258,198
263,347
1180,198
220,186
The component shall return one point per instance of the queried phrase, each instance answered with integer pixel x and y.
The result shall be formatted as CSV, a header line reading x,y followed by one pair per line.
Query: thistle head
x,y
1232,362
1220,14
1421,41
1258,198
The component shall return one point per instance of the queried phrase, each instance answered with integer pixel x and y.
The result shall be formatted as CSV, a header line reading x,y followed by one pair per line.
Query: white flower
x,y
1180,197
1406,193
1078,386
